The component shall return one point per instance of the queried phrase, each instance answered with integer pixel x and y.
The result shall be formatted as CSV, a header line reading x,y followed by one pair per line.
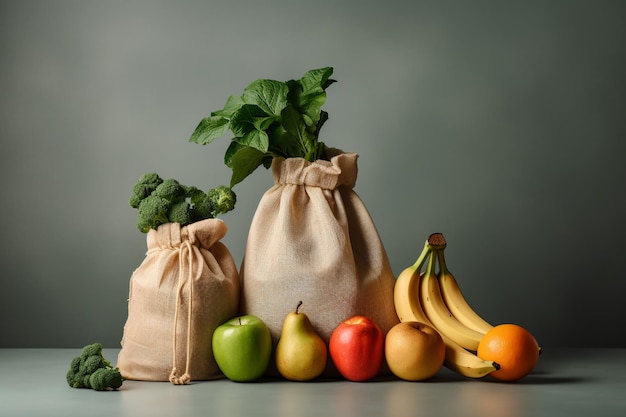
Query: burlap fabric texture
x,y
186,286
313,240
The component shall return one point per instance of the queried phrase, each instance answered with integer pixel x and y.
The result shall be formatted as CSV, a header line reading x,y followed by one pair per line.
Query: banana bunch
x,y
436,299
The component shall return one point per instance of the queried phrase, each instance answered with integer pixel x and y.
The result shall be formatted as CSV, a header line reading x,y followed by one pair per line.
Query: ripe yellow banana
x,y
456,302
439,314
408,308
406,293
466,363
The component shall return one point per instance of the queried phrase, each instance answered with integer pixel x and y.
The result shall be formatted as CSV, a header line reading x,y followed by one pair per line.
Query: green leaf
x,y
312,107
209,129
308,94
269,95
294,124
264,123
282,143
307,120
233,104
233,148
249,117
243,160
320,123
316,81
256,139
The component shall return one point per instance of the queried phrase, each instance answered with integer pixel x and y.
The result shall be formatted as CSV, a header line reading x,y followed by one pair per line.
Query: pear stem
x,y
298,306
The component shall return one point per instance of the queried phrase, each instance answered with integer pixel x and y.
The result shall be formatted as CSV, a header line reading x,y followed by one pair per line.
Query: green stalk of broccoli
x,y
160,201
92,370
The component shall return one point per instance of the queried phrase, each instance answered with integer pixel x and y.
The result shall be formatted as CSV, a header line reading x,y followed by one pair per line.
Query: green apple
x,y
242,348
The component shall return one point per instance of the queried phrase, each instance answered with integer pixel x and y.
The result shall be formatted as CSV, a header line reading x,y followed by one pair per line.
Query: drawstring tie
x,y
185,272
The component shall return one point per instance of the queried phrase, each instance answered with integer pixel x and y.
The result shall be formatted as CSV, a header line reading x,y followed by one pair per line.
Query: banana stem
x,y
437,244
430,268
443,268
436,241
420,260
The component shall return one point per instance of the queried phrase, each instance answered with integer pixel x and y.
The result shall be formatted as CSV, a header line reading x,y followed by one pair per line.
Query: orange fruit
x,y
513,348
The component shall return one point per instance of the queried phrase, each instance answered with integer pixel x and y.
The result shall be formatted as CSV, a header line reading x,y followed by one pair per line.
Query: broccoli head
x,y
171,190
91,350
106,378
71,376
223,199
152,213
168,201
144,187
180,212
92,370
89,364
203,207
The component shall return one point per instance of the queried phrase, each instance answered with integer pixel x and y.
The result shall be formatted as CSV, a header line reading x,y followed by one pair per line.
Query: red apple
x,y
356,348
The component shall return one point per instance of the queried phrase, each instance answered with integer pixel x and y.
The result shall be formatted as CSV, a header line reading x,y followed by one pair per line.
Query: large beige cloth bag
x,y
313,240
186,286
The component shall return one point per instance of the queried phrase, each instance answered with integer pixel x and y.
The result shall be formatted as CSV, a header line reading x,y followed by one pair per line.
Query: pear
x,y
301,354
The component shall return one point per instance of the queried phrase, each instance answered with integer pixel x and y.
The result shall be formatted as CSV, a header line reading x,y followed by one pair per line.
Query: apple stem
x,y
239,318
298,306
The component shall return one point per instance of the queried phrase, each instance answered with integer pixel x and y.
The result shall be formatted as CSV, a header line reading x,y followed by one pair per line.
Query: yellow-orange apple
x,y
414,351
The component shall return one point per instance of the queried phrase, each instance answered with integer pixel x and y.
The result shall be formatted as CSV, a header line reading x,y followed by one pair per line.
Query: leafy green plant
x,y
270,119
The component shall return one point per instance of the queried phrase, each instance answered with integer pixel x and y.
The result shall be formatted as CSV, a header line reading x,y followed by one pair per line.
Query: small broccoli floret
x,y
72,373
106,378
171,190
222,198
87,364
194,194
202,206
180,212
90,363
74,380
191,190
152,213
92,349
143,188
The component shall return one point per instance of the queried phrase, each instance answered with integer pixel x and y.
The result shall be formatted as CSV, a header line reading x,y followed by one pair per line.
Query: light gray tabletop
x,y
566,382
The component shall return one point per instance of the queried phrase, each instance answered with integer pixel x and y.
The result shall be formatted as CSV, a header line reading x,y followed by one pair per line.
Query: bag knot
x,y
184,379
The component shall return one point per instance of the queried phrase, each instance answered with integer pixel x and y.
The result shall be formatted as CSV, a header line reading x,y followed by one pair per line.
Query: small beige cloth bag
x,y
313,240
186,286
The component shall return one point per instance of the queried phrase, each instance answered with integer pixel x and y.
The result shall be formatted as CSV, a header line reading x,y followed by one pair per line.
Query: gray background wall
x,y
499,124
